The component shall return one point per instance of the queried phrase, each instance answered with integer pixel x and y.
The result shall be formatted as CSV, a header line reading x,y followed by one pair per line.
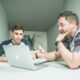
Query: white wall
x,y
72,5
51,37
3,25
40,38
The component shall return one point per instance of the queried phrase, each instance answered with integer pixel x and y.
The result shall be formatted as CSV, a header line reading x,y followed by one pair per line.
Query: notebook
x,y
20,56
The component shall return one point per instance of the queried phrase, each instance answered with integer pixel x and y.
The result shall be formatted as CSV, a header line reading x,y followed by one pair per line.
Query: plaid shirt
x,y
73,43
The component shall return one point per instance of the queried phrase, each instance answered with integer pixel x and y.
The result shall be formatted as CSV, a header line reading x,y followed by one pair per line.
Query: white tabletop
x,y
55,71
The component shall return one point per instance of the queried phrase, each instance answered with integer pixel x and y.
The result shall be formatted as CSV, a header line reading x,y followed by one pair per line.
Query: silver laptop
x,y
20,56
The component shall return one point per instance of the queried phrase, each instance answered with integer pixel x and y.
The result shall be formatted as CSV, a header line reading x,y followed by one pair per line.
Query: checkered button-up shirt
x,y
73,43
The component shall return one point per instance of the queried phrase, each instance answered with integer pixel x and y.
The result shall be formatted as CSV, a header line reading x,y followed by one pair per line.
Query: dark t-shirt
x,y
9,42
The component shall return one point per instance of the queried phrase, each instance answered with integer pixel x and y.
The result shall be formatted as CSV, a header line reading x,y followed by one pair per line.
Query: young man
x,y
17,39
68,40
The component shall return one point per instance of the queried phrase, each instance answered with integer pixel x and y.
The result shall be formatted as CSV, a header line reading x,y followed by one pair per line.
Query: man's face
x,y
17,35
65,26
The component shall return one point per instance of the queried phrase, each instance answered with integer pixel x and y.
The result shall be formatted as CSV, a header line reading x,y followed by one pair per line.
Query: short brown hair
x,y
70,16
17,27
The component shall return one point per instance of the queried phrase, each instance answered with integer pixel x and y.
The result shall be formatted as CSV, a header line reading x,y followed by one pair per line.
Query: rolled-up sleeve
x,y
77,44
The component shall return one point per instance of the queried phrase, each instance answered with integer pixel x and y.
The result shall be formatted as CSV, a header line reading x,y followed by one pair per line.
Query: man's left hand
x,y
61,36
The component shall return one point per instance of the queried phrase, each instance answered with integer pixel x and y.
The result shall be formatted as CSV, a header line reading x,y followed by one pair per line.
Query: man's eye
x,y
61,32
16,33
21,34
62,25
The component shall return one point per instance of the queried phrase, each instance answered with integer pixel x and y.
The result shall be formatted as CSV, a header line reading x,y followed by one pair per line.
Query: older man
x,y
68,40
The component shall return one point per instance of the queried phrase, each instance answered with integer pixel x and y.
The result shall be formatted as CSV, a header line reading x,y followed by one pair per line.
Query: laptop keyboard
x,y
39,60
40,66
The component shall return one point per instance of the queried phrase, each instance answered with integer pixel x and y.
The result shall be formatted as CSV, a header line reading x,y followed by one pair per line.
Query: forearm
x,y
65,53
3,59
52,55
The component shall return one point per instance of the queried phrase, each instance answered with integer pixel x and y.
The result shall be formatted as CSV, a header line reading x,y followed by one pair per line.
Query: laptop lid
x,y
19,56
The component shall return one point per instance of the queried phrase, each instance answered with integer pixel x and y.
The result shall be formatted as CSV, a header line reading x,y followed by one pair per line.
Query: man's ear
x,y
74,23
74,26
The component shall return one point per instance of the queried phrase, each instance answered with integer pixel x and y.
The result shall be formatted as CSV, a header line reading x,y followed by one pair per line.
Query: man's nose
x,y
19,36
59,28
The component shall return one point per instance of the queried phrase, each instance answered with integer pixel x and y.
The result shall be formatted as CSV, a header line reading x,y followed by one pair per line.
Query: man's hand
x,y
41,53
33,54
61,36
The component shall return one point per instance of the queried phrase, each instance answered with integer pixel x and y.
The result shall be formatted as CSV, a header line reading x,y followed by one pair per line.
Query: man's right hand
x,y
61,36
41,53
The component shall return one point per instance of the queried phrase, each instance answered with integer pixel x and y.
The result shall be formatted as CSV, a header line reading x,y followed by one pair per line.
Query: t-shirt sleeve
x,y
1,50
77,44
27,42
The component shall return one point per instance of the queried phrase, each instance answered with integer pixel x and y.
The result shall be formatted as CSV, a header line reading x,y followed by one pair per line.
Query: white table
x,y
55,71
